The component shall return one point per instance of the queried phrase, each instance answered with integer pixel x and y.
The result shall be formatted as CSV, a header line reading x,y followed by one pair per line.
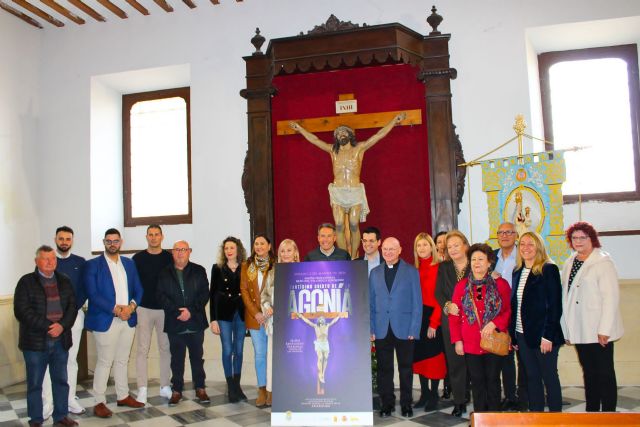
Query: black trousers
x,y
178,345
484,370
404,353
600,386
511,392
456,365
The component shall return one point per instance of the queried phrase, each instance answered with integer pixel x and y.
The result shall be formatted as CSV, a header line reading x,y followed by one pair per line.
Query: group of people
x,y
432,314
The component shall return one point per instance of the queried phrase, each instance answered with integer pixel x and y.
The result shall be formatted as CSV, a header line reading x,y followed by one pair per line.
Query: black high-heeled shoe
x,y
458,410
446,393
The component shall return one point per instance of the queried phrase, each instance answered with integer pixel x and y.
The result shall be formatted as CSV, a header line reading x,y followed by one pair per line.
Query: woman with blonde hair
x,y
256,275
227,312
536,305
454,269
287,252
428,355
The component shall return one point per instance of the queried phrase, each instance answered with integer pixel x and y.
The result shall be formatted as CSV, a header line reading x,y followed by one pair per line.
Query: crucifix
x,y
346,193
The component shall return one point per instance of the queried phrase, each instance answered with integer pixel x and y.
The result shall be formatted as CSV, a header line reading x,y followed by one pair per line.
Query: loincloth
x,y
348,197
321,346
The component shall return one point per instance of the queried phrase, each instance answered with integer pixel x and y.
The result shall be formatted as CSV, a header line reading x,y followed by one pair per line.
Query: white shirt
x,y
523,281
505,266
120,282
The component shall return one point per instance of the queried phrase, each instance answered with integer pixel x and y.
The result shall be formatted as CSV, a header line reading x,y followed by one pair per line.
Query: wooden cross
x,y
353,120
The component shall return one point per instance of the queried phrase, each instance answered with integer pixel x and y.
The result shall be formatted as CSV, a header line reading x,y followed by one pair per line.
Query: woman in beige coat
x,y
591,317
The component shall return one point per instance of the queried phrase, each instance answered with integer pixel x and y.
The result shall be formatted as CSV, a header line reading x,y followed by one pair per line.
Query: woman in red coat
x,y
490,299
428,360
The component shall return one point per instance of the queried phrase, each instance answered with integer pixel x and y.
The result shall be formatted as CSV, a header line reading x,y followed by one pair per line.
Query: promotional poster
x,y
321,348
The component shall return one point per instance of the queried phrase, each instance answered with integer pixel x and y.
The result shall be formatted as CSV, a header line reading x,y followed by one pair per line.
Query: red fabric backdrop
x,y
395,171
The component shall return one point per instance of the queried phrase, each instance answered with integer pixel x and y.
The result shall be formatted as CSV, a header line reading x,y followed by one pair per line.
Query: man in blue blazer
x,y
114,291
395,303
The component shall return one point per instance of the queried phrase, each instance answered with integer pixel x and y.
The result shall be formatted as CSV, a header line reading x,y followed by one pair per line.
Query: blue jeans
x,y
36,362
259,340
232,339
541,368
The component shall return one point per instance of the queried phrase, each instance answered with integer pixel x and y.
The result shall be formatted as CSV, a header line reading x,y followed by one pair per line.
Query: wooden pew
x,y
492,419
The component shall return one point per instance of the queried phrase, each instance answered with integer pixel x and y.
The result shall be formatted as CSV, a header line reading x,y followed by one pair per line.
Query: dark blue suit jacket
x,y
401,308
541,306
101,292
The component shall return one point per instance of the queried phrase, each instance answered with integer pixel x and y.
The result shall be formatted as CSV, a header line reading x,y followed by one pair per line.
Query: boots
x,y
261,401
232,392
269,398
432,400
239,392
424,392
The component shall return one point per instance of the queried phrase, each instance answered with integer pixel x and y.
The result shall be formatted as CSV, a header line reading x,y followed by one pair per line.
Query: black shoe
x,y
421,402
407,411
508,405
385,412
446,393
458,410
432,403
232,394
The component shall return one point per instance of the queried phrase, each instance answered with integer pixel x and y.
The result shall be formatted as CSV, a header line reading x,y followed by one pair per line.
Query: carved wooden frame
x,y
343,45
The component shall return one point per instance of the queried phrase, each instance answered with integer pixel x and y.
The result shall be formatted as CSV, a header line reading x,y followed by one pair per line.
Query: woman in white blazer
x,y
591,317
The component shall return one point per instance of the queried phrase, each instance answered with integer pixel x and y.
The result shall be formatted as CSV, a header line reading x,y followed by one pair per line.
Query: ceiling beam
x,y
137,6
163,4
88,10
37,11
15,12
189,3
63,11
113,8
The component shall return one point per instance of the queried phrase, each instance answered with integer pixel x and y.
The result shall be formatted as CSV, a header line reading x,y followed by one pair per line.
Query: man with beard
x,y
346,194
71,265
114,292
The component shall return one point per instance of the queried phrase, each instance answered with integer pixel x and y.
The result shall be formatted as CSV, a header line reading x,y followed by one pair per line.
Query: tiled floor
x,y
13,409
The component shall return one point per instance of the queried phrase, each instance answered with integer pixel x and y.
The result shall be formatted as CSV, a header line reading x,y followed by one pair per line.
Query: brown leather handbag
x,y
498,343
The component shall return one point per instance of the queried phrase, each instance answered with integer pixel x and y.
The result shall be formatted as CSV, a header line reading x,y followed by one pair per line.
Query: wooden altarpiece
x,y
343,45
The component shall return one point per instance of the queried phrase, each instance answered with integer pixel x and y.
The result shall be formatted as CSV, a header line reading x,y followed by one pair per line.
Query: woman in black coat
x,y
227,312
536,308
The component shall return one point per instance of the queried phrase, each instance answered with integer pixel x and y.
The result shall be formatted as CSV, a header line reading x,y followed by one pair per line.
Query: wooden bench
x,y
491,419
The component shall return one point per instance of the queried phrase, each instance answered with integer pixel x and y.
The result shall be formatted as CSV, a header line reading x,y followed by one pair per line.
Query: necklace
x,y
459,273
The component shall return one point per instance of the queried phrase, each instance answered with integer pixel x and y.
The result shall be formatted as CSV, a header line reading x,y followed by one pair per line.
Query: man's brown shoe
x,y
130,402
176,396
101,411
202,395
65,422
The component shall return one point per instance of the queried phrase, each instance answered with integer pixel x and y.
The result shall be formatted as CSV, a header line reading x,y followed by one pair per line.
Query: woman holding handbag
x,y
536,304
480,308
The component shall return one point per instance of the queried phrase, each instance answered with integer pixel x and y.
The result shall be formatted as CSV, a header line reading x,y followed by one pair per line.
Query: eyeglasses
x,y
505,233
579,238
111,242
181,249
368,241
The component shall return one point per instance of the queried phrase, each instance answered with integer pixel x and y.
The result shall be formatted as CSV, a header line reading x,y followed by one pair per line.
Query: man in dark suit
x,y
114,291
371,245
45,306
396,310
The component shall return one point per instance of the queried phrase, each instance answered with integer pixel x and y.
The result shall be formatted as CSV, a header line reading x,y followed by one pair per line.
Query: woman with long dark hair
x,y
257,273
227,312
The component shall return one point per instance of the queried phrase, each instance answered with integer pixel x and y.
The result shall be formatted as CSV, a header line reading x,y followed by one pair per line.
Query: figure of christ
x,y
321,344
346,194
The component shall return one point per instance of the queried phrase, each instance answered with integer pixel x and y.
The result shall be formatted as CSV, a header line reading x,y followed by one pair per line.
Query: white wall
x,y
19,188
488,47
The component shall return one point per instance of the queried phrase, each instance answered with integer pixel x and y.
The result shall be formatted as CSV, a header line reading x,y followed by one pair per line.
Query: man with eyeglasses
x,y
114,291
183,292
504,266
371,244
